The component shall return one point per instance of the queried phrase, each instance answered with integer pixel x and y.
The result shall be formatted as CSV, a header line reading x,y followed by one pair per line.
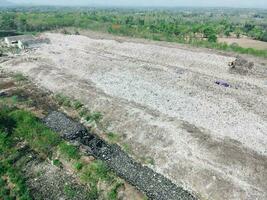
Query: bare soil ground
x,y
246,43
163,100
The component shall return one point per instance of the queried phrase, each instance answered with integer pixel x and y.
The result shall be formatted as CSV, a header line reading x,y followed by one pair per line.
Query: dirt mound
x,y
241,66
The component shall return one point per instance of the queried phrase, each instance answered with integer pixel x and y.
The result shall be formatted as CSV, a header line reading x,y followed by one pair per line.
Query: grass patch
x,y
77,104
69,191
94,117
68,102
78,166
92,174
127,148
28,127
95,171
113,137
113,194
148,160
19,77
12,183
57,163
69,151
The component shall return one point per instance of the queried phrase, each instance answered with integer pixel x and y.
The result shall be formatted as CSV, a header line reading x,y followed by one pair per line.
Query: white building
x,y
25,41
14,40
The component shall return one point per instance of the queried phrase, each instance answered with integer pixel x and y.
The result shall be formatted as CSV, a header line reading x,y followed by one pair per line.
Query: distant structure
x,y
25,41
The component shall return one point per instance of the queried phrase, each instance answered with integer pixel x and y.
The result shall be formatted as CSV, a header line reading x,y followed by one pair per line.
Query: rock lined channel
x,y
154,185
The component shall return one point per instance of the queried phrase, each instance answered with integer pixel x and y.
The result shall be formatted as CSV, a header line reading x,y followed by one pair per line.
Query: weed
x,y
14,99
94,172
34,132
94,117
57,163
78,166
112,137
113,194
93,193
77,104
69,151
127,148
83,112
148,160
19,77
69,191
63,100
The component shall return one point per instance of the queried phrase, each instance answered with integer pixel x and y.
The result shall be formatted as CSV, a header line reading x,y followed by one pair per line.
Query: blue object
x,y
222,83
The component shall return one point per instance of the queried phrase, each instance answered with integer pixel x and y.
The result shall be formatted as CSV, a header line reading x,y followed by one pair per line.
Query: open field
x,y
163,101
245,42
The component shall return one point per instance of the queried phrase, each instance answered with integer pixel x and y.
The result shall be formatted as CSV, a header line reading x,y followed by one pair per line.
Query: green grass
x,y
19,77
148,160
193,42
19,125
77,104
69,151
28,127
95,171
68,102
127,148
113,193
92,174
9,153
113,137
69,191
78,166
94,117
57,163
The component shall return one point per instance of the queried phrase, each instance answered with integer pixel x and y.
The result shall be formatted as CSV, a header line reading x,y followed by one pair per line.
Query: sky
x,y
152,3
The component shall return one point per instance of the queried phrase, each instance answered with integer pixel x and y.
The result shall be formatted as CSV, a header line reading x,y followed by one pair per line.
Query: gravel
x,y
162,99
67,128
154,185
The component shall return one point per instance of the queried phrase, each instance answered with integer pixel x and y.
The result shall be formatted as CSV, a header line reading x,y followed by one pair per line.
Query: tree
x,y
210,34
264,37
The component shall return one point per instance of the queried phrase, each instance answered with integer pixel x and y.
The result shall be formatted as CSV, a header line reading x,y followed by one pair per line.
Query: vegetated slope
x,y
163,101
35,163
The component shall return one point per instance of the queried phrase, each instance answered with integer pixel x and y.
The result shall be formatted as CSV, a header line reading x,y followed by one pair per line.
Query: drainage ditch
x,y
154,185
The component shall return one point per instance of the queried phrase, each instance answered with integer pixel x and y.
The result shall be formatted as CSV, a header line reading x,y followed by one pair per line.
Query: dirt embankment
x,y
164,102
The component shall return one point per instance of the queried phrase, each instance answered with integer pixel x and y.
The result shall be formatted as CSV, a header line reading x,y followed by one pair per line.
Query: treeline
x,y
200,27
185,25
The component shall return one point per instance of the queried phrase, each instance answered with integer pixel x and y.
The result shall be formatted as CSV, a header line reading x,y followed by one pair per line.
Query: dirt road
x,y
164,102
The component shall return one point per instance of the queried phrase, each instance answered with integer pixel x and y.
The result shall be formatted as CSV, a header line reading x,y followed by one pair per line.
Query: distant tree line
x,y
200,25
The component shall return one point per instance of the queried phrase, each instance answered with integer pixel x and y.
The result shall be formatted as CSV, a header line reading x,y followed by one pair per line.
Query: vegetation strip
x,y
198,27
154,185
